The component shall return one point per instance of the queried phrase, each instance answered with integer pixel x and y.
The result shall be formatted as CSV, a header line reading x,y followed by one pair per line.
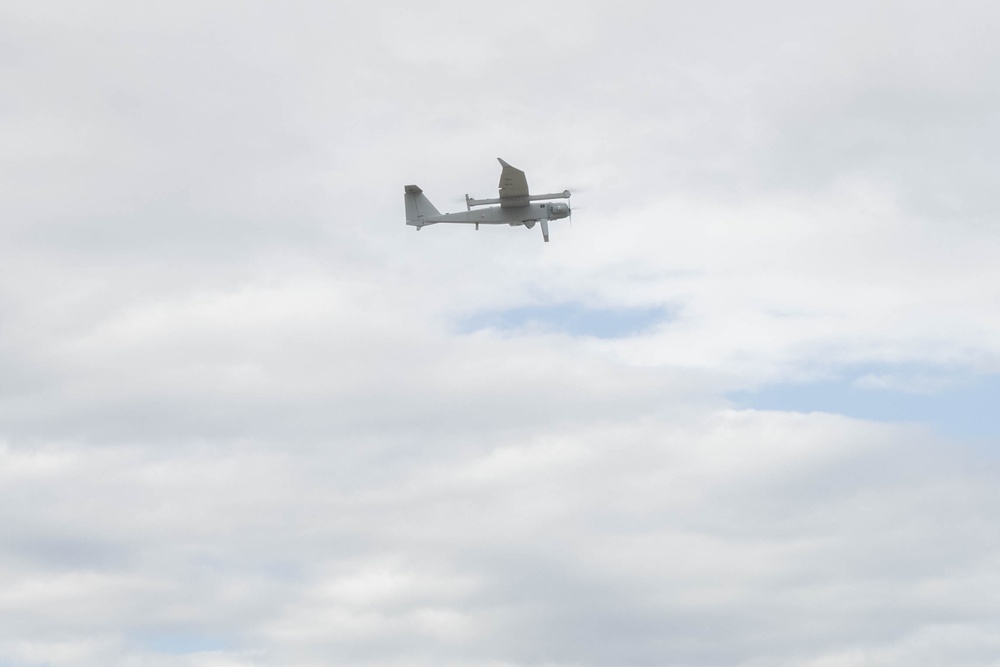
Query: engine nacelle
x,y
558,210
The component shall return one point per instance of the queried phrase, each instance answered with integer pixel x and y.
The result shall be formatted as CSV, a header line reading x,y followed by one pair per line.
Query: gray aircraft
x,y
515,206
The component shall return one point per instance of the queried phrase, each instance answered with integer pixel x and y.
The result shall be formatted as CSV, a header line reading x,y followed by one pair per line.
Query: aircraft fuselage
x,y
501,215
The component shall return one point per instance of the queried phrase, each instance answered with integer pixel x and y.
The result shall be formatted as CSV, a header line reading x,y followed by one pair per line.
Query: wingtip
x,y
502,163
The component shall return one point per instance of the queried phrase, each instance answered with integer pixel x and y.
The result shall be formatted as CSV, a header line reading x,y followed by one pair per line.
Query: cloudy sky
x,y
742,413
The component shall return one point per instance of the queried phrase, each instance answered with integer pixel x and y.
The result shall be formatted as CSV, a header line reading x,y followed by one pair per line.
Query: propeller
x,y
572,207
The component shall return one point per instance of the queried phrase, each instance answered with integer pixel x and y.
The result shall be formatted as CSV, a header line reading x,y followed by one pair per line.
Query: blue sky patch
x,y
571,318
958,405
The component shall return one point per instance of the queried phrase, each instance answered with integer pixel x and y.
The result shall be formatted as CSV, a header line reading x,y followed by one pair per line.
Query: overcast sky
x,y
741,414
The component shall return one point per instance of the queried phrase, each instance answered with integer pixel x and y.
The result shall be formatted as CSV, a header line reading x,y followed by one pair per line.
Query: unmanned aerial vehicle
x,y
515,206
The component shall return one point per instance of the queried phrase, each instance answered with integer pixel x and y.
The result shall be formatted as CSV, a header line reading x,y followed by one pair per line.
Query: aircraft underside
x,y
495,215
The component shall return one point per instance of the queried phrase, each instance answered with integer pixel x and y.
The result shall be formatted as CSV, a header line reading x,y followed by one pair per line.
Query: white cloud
x,y
241,427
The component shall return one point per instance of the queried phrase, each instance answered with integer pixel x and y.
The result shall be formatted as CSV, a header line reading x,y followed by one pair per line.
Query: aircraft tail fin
x,y
418,207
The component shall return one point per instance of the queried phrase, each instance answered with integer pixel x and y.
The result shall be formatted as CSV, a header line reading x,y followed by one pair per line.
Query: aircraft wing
x,y
513,186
